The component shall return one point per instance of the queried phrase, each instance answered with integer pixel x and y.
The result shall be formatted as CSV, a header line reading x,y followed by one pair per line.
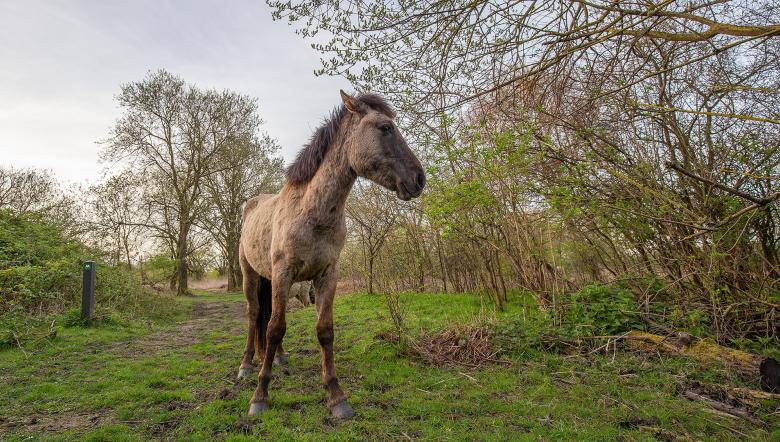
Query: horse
x,y
304,293
297,234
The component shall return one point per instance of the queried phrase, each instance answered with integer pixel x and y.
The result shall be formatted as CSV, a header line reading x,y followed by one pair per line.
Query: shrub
x,y
158,269
602,310
38,264
40,275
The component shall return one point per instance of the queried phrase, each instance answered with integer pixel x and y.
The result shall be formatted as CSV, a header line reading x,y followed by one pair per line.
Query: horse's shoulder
x,y
253,202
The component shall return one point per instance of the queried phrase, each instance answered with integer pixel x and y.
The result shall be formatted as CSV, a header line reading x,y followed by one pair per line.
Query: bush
x,y
38,264
40,276
602,310
516,335
158,269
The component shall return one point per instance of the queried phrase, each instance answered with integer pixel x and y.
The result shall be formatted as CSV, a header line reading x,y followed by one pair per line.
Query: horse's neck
x,y
327,192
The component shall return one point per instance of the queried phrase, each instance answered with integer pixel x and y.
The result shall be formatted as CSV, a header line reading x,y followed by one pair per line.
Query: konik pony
x,y
297,235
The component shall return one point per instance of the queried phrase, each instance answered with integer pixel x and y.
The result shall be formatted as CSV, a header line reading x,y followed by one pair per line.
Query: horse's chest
x,y
314,252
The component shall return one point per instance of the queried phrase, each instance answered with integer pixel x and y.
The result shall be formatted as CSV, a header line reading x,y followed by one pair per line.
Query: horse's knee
x,y
252,311
276,331
325,334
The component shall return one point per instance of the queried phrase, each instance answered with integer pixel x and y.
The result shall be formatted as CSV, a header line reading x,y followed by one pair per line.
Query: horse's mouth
x,y
403,195
403,192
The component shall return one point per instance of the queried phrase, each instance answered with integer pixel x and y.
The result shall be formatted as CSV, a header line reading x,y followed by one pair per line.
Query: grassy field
x,y
176,380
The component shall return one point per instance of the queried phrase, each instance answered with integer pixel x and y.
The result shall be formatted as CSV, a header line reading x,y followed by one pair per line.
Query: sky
x,y
62,63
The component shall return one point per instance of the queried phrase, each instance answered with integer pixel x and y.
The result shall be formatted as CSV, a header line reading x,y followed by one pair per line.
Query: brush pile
x,y
462,345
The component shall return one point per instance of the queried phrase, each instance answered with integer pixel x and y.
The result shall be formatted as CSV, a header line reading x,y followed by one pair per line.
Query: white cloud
x,y
61,63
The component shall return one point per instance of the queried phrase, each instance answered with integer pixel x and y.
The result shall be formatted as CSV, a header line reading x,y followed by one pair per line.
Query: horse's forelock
x,y
310,157
377,103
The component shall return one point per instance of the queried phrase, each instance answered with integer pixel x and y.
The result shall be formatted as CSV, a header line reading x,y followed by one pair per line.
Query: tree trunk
x,y
233,270
764,369
232,283
230,267
127,254
441,262
371,274
181,262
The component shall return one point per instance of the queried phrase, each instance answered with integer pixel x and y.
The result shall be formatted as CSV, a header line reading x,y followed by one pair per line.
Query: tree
x,y
246,168
372,213
173,134
583,141
435,56
35,191
116,216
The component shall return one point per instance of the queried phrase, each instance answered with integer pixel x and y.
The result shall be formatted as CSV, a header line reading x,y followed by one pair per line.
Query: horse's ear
x,y
351,103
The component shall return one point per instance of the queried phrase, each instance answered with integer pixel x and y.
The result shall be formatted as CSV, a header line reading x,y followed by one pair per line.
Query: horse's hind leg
x,y
250,286
336,399
281,357
276,328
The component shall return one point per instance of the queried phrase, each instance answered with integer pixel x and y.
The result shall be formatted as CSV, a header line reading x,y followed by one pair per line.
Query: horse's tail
x,y
264,300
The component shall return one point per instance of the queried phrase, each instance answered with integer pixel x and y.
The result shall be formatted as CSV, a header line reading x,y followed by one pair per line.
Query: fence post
x,y
88,290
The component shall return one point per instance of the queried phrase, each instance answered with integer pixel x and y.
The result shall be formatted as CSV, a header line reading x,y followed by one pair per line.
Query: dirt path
x,y
210,284
207,316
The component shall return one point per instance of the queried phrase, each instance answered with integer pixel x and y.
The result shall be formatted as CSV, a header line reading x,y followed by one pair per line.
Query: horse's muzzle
x,y
408,189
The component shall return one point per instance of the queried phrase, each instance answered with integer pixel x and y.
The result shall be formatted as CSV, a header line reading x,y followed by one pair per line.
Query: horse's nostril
x,y
421,180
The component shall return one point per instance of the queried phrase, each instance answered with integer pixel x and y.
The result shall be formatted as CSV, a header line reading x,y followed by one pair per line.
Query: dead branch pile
x,y
463,345
725,399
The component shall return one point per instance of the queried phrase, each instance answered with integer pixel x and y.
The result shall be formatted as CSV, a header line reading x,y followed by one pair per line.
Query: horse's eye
x,y
386,128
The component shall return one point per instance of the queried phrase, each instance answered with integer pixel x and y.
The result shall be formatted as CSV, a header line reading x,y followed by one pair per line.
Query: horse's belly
x,y
257,237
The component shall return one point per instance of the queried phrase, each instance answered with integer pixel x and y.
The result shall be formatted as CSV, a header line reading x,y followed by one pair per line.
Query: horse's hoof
x,y
244,372
280,360
342,411
256,408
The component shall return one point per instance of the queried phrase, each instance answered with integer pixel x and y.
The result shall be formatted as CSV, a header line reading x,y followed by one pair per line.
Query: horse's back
x,y
255,201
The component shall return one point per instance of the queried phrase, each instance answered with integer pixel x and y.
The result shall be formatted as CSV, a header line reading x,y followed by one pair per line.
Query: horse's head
x,y
377,150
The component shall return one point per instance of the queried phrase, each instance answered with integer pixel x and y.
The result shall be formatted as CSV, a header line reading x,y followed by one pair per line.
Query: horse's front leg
x,y
326,290
280,286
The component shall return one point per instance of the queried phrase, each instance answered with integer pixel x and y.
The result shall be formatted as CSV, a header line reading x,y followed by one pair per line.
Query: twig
x,y
19,344
724,408
726,426
469,377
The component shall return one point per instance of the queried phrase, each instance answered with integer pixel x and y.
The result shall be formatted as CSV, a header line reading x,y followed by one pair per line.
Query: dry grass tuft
x,y
462,345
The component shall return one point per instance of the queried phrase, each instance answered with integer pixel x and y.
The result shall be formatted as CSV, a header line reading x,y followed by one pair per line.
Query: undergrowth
x,y
40,283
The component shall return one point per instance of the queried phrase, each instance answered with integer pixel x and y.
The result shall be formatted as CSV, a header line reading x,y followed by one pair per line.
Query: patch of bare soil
x,y
206,316
211,284
60,422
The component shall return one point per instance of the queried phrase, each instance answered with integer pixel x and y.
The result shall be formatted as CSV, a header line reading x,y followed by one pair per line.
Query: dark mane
x,y
310,157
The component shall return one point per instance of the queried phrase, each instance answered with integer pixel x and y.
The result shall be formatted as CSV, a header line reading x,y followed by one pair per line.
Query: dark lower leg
x,y
280,358
249,351
329,380
276,329
252,311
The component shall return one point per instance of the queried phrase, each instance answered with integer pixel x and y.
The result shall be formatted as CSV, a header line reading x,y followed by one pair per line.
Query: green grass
x,y
124,381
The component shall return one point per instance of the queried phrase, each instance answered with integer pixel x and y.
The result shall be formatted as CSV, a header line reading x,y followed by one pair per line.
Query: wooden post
x,y
88,290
